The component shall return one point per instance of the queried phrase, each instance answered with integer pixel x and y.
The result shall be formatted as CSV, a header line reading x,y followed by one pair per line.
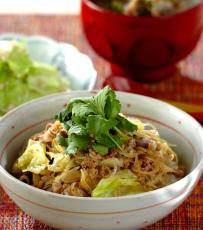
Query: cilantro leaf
x,y
68,124
80,111
99,101
98,125
105,140
101,149
75,142
118,140
77,129
113,106
63,116
106,104
96,119
78,100
72,148
61,140
126,124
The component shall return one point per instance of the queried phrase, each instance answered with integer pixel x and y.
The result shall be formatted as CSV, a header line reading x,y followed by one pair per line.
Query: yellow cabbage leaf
x,y
60,161
122,183
56,147
33,159
137,122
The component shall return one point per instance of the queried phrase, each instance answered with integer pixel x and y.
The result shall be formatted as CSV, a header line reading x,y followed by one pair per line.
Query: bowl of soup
x,y
113,160
142,39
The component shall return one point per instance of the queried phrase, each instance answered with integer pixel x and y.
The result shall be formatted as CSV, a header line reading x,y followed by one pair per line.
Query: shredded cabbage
x,y
60,161
112,162
122,183
33,159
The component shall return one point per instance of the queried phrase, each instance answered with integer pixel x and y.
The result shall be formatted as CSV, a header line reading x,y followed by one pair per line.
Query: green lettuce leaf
x,y
19,60
122,183
22,79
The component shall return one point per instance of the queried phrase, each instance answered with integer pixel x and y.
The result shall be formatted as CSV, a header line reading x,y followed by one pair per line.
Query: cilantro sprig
x,y
94,121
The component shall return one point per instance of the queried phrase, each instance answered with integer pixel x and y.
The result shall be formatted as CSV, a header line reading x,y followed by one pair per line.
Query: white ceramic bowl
x,y
128,212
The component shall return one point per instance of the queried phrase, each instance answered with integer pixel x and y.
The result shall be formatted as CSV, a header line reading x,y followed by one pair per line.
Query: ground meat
x,y
89,163
178,173
127,162
113,153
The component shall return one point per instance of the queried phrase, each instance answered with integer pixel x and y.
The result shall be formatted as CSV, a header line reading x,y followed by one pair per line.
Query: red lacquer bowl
x,y
143,48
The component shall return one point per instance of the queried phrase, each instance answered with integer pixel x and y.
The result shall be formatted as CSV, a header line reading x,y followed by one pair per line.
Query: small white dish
x,y
118,213
77,67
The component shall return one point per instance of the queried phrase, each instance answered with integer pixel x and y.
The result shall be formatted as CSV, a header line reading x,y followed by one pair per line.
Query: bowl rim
x,y
198,167
100,9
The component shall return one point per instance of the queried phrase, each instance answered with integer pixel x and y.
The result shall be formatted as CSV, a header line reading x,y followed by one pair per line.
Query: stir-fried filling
x,y
147,7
